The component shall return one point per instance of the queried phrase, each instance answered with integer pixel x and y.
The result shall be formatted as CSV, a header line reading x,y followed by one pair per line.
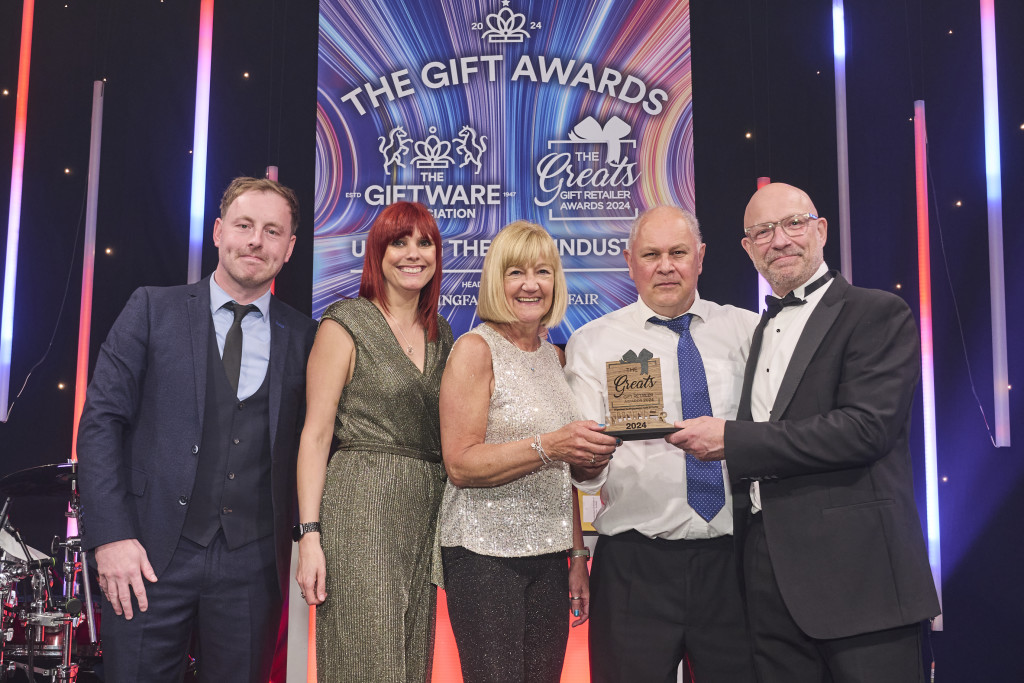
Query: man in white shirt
x,y
664,583
835,569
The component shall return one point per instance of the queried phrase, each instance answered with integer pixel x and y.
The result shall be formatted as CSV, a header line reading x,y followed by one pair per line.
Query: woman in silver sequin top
x,y
509,432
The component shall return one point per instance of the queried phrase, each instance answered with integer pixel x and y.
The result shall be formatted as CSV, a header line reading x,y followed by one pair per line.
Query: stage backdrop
x,y
574,115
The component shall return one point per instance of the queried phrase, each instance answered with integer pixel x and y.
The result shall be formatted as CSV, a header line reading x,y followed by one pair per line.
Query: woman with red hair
x,y
368,513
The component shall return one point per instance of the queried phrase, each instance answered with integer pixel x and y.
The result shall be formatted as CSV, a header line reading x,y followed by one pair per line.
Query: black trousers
x,y
784,654
230,598
652,601
510,615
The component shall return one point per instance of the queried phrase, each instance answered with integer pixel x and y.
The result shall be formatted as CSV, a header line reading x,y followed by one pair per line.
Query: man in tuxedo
x,y
664,584
835,568
187,449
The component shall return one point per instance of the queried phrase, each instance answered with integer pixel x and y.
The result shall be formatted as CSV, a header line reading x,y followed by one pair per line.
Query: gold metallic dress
x,y
379,509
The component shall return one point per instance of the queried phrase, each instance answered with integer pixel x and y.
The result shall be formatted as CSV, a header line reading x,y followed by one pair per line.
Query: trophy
x,y
636,404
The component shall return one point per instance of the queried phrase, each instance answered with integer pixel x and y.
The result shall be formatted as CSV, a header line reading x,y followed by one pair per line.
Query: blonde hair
x,y
523,244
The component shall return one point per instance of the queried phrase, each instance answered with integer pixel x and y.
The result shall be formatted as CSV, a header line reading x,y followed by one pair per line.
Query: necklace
x,y
509,339
408,348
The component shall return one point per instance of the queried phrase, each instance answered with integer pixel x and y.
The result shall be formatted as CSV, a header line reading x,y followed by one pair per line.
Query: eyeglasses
x,y
793,226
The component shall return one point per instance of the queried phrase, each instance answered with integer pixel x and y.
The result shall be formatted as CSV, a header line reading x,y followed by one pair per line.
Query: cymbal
x,y
13,549
44,480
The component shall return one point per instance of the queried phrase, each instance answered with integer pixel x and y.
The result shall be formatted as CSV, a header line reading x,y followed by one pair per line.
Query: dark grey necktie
x,y
233,343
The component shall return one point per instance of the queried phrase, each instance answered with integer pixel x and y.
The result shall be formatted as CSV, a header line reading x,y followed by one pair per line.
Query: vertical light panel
x,y
14,215
200,142
924,281
763,288
842,153
88,267
994,183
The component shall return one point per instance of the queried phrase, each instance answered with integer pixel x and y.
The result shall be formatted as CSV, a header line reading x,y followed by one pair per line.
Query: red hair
x,y
402,219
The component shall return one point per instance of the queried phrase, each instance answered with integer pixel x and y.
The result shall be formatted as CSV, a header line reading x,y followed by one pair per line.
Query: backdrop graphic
x,y
574,115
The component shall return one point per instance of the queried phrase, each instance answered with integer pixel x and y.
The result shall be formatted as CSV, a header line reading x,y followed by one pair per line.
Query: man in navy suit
x,y
835,568
187,460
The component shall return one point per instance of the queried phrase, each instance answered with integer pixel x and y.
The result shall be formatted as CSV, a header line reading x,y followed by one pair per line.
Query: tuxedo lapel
x,y
821,320
743,412
199,321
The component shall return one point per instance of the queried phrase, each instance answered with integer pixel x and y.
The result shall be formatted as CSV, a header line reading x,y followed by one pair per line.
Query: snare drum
x,y
42,635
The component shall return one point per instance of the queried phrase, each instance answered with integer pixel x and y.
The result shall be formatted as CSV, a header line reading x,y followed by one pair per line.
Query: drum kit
x,y
48,624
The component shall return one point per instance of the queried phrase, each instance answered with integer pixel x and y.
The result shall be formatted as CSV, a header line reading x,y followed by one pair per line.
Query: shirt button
x,y
231,475
241,405
235,441
226,510
195,448
182,500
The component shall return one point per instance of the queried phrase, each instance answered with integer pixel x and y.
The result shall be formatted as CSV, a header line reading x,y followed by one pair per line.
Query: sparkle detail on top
x,y
531,515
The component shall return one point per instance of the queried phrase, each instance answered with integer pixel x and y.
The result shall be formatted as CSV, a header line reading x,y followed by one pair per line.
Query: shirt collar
x,y
799,291
218,297
699,308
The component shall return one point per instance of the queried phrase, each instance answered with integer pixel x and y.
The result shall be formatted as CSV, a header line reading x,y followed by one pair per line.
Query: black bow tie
x,y
774,304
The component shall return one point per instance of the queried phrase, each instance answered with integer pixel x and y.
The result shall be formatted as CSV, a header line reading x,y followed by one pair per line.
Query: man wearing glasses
x,y
834,562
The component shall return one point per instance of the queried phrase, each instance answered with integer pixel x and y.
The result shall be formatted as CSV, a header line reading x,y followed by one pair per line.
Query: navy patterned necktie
x,y
705,488
232,357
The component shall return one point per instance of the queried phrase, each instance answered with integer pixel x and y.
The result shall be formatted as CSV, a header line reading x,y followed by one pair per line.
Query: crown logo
x,y
433,153
505,26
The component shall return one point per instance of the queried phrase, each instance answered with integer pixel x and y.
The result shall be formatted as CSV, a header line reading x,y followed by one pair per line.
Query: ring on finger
x,y
576,597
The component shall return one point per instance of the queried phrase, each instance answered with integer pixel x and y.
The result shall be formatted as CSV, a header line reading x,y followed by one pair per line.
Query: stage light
x,y
899,285
200,142
245,75
14,210
838,31
958,203
748,136
67,171
60,385
994,192
8,92
108,251
945,479
842,141
924,286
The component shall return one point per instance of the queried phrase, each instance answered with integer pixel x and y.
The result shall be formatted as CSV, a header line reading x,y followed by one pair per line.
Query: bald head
x,y
785,261
665,214
770,200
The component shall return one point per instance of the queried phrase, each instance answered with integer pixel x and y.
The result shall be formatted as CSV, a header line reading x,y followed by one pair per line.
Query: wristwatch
x,y
300,530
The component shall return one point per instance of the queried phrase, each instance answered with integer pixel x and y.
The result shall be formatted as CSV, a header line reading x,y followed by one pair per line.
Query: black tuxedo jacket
x,y
835,472
139,436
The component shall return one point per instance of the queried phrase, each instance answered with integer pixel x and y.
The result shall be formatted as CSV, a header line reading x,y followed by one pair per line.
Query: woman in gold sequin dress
x,y
373,380
510,431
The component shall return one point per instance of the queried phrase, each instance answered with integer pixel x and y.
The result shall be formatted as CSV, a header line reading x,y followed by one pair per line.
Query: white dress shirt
x,y
644,486
779,342
255,337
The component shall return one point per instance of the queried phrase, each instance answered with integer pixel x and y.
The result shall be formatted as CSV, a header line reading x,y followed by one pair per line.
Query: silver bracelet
x,y
537,446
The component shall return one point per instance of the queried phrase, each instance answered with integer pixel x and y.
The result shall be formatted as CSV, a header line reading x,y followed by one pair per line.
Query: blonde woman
x,y
509,432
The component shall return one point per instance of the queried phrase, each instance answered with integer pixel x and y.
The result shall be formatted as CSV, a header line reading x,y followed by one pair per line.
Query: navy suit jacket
x,y
139,436
835,471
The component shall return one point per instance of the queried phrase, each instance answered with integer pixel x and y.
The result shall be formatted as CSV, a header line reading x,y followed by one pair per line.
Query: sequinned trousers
x,y
510,615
